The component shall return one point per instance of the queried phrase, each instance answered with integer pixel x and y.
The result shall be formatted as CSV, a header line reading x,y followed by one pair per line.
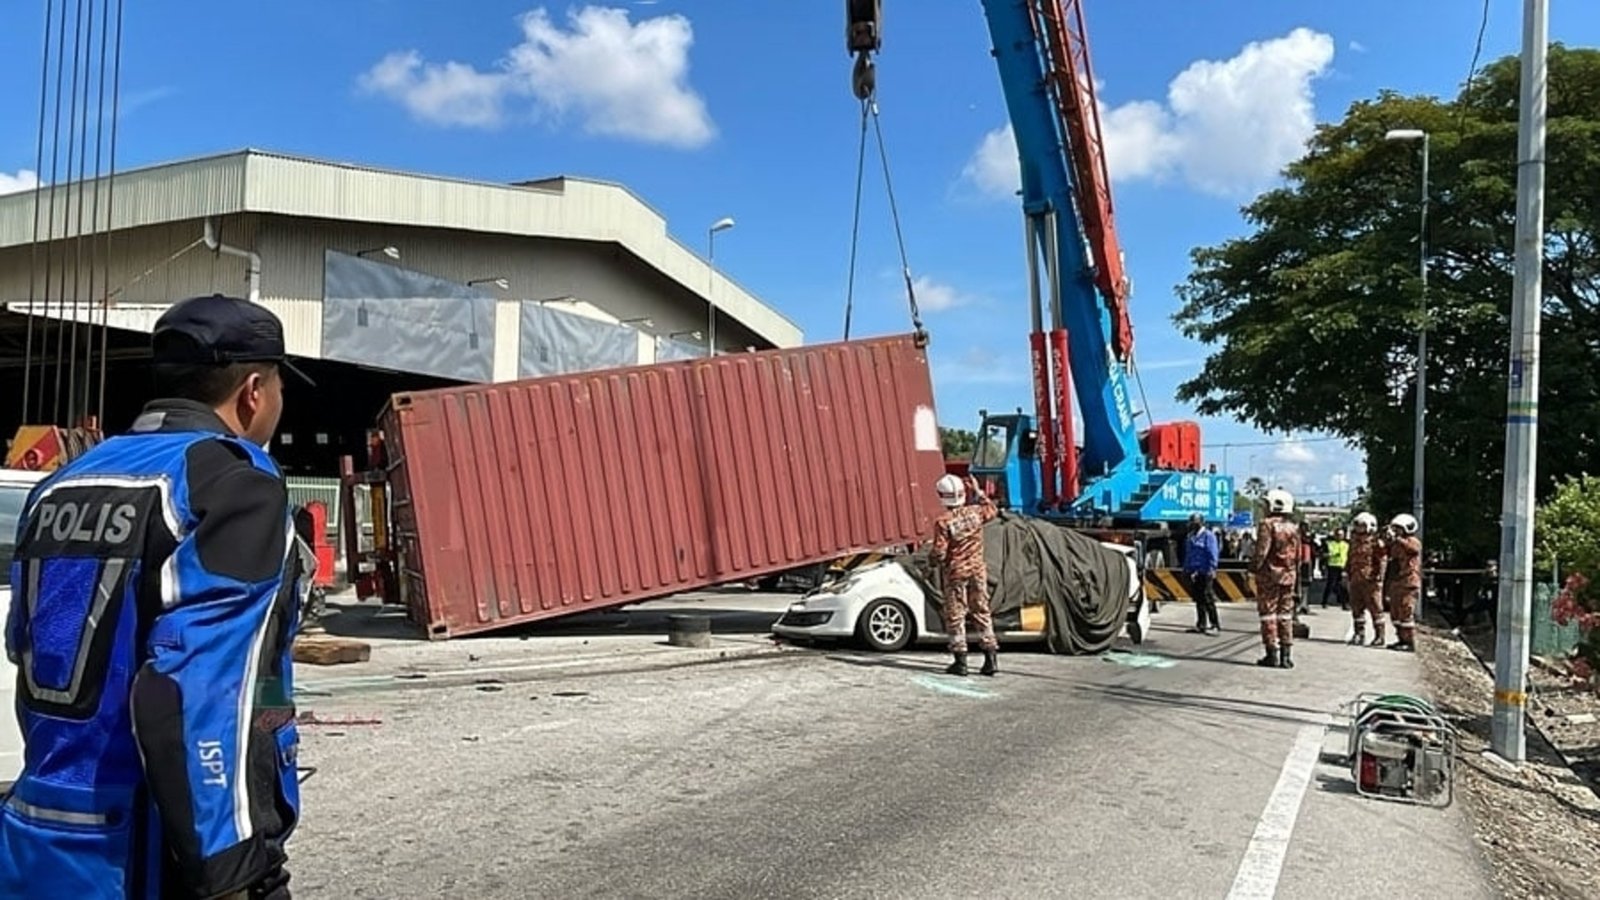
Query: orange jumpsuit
x,y
1276,566
1405,561
958,552
1367,555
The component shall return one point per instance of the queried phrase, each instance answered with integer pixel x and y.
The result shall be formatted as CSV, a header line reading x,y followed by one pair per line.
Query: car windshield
x,y
12,498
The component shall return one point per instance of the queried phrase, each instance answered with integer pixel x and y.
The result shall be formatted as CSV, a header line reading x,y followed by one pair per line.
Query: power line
x,y
1477,51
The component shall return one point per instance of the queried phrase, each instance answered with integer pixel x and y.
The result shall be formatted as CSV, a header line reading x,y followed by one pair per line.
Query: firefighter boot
x,y
1285,660
959,667
1270,661
991,663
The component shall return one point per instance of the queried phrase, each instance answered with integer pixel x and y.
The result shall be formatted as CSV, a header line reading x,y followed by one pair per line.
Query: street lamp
x,y
501,283
722,224
645,322
391,252
1419,438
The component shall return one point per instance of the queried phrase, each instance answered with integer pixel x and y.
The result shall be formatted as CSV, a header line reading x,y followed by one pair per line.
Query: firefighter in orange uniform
x,y
1276,565
958,552
1405,586
1367,555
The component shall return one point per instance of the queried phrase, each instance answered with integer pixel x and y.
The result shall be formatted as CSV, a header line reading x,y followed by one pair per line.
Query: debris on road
x,y
327,650
1538,824
310,717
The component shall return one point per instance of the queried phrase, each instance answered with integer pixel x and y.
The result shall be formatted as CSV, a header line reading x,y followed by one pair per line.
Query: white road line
x,y
1263,859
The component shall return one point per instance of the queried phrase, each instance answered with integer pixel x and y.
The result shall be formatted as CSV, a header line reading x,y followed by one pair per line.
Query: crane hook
x,y
864,80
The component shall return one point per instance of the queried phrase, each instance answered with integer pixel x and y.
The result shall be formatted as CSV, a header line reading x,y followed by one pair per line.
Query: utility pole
x,y
1522,398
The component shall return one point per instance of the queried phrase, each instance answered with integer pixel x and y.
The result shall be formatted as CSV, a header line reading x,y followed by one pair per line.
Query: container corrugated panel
x,y
533,499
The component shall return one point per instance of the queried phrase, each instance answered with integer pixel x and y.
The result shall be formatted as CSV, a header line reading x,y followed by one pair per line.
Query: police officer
x,y
958,552
1200,557
154,591
1405,585
1276,565
1367,555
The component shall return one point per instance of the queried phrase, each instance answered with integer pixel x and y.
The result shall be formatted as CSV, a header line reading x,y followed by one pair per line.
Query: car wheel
x,y
885,626
1135,633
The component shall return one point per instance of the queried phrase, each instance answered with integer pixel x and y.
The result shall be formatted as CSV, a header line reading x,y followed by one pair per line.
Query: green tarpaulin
x,y
1083,584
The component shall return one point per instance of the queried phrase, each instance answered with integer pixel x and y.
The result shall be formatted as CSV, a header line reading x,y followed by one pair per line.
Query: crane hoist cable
x,y
855,223
869,108
863,38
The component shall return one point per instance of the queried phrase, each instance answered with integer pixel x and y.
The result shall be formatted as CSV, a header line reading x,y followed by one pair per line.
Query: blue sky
x,y
711,108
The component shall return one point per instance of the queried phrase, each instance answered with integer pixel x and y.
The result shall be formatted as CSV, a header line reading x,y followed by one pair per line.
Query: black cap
x,y
220,331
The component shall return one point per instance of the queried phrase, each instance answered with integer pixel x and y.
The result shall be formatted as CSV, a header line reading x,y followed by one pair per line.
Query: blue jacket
x,y
1200,552
154,601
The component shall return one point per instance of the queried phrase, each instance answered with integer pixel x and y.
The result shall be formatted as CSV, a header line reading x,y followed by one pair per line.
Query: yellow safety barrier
x,y
1170,586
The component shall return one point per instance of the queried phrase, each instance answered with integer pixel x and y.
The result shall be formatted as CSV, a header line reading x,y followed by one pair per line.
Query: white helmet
x,y
1366,522
952,491
1405,523
1280,502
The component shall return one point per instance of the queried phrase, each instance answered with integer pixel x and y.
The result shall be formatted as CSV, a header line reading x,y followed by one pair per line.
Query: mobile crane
x,y
1033,463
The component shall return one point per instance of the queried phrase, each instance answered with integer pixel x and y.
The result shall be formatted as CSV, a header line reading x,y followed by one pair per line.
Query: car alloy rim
x,y
887,624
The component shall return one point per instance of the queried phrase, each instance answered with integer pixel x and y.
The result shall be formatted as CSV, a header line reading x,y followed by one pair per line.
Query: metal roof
x,y
255,181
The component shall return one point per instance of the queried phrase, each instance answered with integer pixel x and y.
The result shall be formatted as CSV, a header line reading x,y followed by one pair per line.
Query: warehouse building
x,y
385,281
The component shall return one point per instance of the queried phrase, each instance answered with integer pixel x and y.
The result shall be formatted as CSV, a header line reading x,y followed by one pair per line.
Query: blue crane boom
x,y
1082,339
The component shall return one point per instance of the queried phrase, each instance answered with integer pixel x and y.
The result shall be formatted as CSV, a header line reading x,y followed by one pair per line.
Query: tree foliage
x,y
1312,317
1567,538
1567,528
957,443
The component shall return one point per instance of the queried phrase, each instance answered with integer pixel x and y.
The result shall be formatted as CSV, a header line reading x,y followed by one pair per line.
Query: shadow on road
x,y
1251,709
372,622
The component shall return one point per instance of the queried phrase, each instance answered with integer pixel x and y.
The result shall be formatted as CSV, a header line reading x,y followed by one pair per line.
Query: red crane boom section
x,y
1068,45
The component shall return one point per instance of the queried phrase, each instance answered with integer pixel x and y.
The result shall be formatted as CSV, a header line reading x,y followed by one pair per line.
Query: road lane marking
x,y
1263,859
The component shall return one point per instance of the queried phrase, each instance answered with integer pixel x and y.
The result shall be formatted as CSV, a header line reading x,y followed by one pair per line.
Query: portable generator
x,y
1401,749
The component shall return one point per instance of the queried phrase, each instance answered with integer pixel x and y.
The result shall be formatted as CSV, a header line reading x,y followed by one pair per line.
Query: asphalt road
x,y
842,774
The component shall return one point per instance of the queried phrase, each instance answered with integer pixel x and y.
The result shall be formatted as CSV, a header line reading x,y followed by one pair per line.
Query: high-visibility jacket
x,y
1338,553
154,601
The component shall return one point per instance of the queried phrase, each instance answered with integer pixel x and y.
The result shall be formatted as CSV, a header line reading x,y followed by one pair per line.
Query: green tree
x,y
957,443
1567,539
1313,316
1255,488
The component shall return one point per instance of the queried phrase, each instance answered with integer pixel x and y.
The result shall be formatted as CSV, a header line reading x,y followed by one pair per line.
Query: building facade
x,y
385,281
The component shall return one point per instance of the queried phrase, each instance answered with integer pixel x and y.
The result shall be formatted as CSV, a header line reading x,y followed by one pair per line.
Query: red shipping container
x,y
527,500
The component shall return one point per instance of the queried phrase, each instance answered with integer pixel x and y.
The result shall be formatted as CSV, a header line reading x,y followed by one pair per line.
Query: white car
x,y
14,487
887,609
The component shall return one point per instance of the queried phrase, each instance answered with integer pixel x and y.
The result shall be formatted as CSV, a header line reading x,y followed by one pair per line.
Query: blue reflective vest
x,y
154,601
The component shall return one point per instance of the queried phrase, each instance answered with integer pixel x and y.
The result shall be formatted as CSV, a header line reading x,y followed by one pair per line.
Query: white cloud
x,y
22,181
618,77
993,167
936,296
449,93
1227,127
1357,47
1161,365
1294,453
979,365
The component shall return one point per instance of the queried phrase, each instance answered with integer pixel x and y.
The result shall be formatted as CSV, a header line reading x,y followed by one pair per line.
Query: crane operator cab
x,y
1006,459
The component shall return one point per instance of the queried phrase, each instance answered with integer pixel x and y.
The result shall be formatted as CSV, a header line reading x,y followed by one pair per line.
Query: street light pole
x,y
711,283
1419,436
1522,398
